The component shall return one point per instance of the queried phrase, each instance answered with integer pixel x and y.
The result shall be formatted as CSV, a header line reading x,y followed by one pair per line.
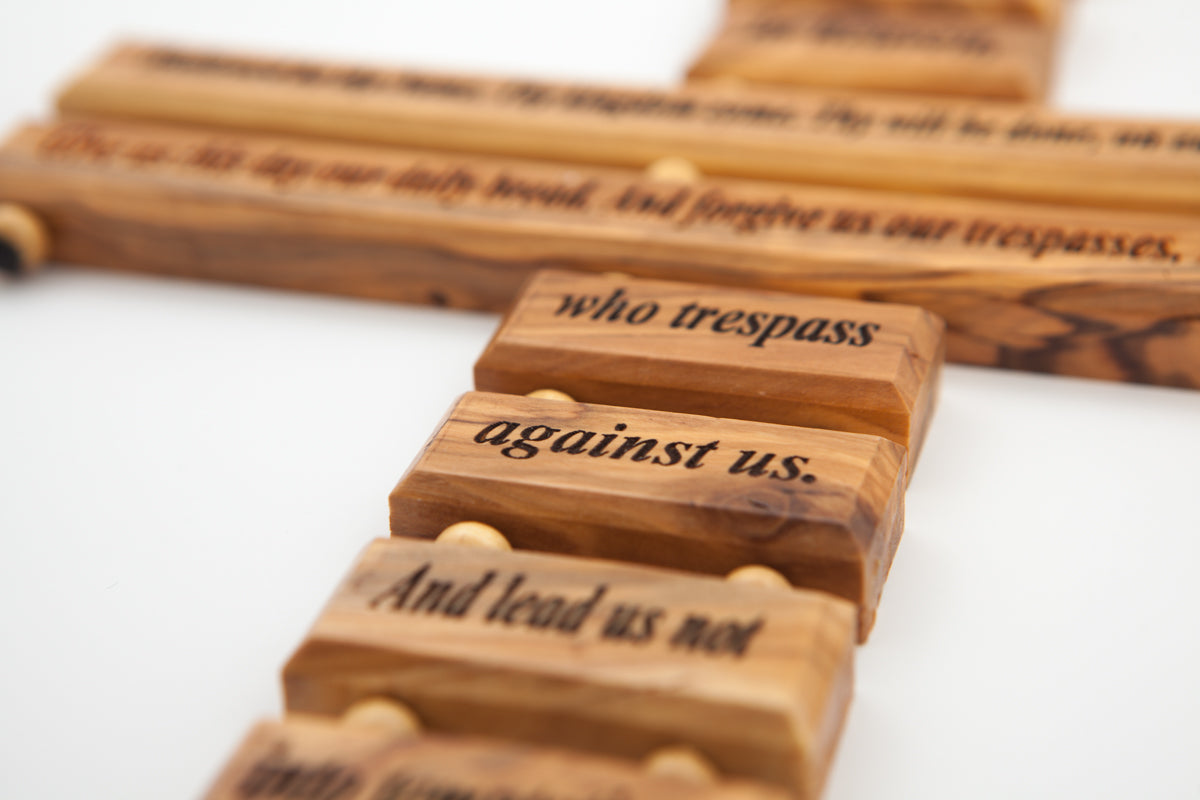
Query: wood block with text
x,y
608,658
962,147
1102,294
847,46
812,362
1047,12
824,508
311,758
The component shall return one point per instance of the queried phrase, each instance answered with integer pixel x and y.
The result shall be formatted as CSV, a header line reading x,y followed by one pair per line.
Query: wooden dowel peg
x,y
24,240
383,714
474,534
673,169
551,394
758,575
681,762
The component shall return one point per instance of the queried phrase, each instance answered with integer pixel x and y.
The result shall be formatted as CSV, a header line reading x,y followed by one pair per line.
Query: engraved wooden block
x,y
317,759
824,508
1069,291
607,658
1044,11
935,146
847,46
812,362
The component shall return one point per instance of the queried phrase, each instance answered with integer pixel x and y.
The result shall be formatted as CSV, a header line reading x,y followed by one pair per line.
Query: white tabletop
x,y
186,470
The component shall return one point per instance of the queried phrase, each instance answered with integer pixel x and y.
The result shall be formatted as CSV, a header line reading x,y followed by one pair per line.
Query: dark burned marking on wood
x,y
277,775
758,327
1128,350
521,441
879,31
1123,347
700,633
516,602
408,784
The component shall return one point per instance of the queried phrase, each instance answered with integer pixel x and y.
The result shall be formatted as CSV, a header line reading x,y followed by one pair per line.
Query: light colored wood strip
x,y
1045,11
607,658
318,759
824,508
946,147
836,45
1069,291
812,362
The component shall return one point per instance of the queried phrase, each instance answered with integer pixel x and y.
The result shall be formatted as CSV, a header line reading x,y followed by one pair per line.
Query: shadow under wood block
x,y
824,508
594,656
805,361
839,45
1101,294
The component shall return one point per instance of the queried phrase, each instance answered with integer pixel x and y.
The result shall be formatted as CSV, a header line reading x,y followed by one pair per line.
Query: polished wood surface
x,y
716,351
607,658
824,508
832,44
1044,11
312,758
995,150
1069,291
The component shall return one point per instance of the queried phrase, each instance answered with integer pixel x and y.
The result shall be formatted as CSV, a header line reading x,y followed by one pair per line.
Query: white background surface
x,y
186,470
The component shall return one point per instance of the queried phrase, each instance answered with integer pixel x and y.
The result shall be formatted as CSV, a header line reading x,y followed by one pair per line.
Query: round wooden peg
x,y
551,394
758,575
383,714
675,169
474,534
681,762
24,240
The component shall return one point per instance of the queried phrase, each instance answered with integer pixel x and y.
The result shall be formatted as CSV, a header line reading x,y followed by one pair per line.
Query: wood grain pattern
x,y
601,657
1044,11
824,508
1070,291
935,146
847,46
812,362
311,758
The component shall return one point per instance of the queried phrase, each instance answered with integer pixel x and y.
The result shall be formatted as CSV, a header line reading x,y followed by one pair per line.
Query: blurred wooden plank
x,y
836,45
1047,12
937,146
319,759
